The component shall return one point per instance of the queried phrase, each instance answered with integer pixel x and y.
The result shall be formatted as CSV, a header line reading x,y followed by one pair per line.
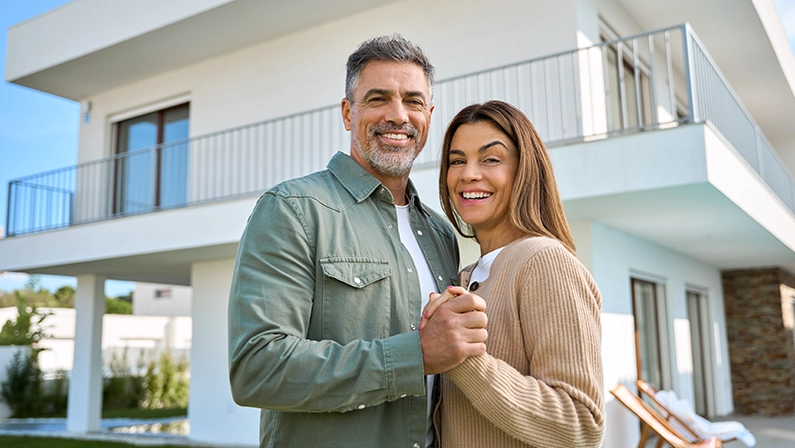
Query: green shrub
x,y
22,390
121,389
57,397
166,383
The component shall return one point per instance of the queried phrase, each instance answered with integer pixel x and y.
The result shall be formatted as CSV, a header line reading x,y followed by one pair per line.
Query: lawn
x,y
54,442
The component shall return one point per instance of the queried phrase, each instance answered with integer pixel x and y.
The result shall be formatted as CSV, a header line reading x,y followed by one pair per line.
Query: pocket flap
x,y
356,272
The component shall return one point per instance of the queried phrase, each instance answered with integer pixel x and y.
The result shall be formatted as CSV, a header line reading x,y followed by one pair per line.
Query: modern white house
x,y
671,124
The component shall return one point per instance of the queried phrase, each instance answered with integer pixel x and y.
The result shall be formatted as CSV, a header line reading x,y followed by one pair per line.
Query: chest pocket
x,y
356,298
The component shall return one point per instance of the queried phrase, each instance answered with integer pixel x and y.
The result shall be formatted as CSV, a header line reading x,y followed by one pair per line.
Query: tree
x,y
117,306
65,296
27,329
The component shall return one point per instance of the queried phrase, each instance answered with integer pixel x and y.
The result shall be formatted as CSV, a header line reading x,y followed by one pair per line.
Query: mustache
x,y
387,127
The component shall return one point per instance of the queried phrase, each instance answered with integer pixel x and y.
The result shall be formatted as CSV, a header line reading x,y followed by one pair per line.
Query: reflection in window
x,y
647,309
152,163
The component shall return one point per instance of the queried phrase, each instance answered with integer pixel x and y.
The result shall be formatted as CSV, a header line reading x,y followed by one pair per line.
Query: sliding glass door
x,y
152,161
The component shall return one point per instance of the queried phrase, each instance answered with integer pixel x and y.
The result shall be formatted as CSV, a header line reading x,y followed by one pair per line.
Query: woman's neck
x,y
492,240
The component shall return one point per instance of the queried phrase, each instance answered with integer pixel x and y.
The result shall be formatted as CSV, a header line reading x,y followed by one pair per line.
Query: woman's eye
x,y
456,162
492,160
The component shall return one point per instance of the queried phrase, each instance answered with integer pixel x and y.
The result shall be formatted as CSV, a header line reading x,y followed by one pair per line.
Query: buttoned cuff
x,y
405,374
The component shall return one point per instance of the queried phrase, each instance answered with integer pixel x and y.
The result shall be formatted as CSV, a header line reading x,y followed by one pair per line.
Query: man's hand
x,y
456,331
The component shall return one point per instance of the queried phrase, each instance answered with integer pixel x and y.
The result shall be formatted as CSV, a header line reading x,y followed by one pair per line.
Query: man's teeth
x,y
476,195
396,136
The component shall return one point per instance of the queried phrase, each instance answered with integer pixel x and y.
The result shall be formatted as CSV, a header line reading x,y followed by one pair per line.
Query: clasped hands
x,y
453,328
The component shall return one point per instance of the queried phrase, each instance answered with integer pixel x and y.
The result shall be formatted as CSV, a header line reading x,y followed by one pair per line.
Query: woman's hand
x,y
438,299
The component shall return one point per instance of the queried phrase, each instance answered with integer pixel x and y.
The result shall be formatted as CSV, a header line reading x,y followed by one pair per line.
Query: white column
x,y
85,385
214,417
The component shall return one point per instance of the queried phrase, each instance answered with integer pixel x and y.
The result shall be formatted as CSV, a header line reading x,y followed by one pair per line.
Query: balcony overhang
x,y
685,189
747,41
157,247
83,47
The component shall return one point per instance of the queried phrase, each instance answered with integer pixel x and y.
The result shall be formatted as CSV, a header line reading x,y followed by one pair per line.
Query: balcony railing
x,y
650,81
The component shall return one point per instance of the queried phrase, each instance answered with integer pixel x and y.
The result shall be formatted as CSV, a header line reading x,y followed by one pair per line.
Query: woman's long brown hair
x,y
535,207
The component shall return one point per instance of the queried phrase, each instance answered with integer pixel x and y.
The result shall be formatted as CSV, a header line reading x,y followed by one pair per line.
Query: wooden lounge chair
x,y
655,422
649,391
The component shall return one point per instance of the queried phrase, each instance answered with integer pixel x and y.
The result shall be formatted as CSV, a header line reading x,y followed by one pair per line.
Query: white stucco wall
x,y
614,258
214,416
306,70
145,336
153,299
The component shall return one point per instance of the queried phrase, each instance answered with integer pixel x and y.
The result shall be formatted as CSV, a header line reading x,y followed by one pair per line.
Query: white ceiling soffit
x,y
146,52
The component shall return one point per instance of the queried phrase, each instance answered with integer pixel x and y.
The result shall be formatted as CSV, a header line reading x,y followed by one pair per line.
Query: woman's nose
x,y
471,172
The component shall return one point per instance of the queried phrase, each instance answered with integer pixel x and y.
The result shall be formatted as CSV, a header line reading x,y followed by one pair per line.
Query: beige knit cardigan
x,y
540,382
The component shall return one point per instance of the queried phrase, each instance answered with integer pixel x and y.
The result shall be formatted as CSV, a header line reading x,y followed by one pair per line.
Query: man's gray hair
x,y
385,48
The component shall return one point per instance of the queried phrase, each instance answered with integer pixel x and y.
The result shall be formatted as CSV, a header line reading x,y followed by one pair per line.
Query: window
x,y
698,318
152,163
162,293
648,308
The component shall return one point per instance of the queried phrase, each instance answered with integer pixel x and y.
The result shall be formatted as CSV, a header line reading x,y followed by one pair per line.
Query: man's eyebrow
x,y
387,92
415,93
373,92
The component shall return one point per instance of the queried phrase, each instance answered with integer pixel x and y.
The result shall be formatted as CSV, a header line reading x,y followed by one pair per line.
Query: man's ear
x,y
347,113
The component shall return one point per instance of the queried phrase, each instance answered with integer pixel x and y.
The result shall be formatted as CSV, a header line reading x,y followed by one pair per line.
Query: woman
x,y
540,382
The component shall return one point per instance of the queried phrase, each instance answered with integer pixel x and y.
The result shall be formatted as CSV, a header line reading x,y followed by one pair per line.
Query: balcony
x,y
653,81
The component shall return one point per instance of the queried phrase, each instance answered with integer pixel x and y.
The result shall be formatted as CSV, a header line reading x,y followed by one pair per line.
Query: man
x,y
332,272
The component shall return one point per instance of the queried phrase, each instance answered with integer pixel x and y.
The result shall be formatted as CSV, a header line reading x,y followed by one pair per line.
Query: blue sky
x,y
38,132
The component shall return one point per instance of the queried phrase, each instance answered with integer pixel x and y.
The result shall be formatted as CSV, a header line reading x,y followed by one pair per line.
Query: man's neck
x,y
395,185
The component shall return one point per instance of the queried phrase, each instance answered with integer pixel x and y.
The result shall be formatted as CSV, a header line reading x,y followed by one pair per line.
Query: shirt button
x,y
440,278
416,445
357,280
413,326
419,232
361,406
402,395
390,227
410,271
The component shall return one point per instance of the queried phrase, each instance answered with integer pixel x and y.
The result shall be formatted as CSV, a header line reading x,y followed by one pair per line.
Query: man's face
x,y
389,117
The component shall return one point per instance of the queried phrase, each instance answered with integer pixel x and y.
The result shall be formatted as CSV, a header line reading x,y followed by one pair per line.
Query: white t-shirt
x,y
427,286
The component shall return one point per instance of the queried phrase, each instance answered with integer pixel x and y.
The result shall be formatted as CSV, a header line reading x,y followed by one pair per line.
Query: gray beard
x,y
387,160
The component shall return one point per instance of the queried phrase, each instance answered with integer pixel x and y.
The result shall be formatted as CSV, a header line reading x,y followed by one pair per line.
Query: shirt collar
x,y
361,184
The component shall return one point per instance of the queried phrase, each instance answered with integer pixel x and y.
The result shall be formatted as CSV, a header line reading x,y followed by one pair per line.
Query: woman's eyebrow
x,y
489,145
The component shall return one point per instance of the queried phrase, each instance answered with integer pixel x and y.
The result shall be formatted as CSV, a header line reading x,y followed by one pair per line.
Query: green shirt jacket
x,y
323,311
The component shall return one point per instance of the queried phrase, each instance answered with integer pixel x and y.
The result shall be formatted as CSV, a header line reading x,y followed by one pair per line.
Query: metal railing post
x,y
690,75
11,185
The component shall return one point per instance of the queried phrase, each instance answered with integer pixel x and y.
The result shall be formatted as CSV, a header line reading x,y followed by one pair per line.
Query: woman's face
x,y
482,166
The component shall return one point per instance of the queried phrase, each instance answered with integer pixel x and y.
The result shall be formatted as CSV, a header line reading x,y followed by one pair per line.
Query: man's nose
x,y
397,112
